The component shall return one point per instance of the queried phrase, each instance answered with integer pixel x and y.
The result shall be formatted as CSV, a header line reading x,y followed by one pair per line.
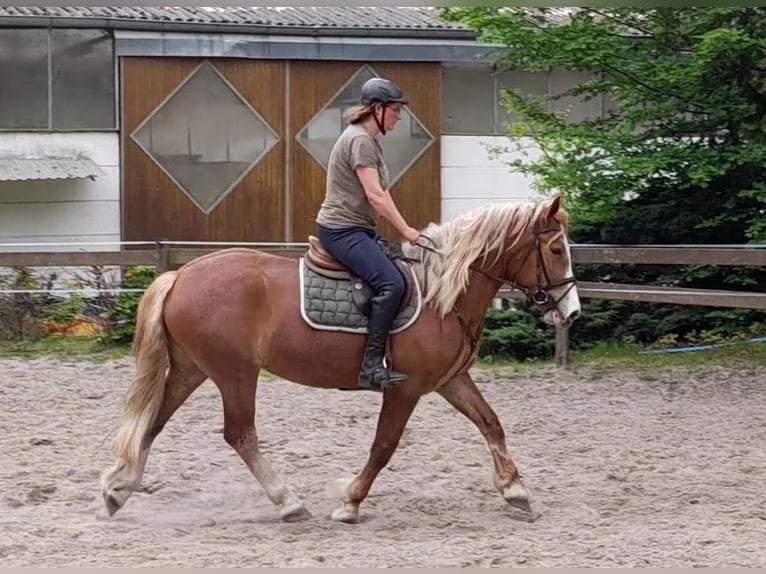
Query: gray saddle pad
x,y
327,304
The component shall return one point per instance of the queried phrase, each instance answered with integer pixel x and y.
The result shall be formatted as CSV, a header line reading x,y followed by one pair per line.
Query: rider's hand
x,y
412,235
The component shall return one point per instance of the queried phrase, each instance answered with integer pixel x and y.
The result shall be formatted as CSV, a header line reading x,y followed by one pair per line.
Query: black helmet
x,y
380,90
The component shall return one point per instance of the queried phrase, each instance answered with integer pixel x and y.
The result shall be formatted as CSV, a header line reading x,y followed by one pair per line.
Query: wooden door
x,y
154,205
417,193
277,200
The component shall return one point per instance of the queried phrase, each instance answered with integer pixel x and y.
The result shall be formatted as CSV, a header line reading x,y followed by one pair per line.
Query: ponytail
x,y
359,114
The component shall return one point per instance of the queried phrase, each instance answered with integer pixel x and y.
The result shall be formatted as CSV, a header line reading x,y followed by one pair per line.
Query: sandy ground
x,y
625,470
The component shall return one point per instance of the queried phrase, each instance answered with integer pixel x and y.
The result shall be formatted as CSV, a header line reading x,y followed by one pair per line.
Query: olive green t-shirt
x,y
345,203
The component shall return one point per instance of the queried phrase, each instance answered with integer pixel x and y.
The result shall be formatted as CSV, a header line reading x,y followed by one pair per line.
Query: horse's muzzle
x,y
554,317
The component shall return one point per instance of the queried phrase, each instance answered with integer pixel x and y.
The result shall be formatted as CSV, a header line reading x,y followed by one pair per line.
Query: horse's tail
x,y
150,351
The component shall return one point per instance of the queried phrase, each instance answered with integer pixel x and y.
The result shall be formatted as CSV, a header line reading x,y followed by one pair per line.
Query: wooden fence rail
x,y
164,256
744,255
671,255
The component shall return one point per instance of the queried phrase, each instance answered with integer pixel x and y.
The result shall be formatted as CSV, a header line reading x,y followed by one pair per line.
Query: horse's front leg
x,y
462,393
398,404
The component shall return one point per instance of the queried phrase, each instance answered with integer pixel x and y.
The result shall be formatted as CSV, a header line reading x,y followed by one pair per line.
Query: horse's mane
x,y
462,240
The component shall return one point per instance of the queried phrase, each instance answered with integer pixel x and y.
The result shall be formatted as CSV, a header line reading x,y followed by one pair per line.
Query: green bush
x,y
122,317
521,335
662,325
517,334
67,310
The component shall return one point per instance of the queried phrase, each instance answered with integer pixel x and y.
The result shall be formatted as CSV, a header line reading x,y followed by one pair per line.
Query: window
x,y
83,79
469,102
473,103
575,108
24,84
531,84
57,79
206,137
401,148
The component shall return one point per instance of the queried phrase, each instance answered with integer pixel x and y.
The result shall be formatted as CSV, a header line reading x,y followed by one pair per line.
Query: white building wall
x,y
57,211
473,176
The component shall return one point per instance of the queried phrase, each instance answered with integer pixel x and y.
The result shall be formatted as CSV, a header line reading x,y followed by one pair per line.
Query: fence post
x,y
562,347
163,258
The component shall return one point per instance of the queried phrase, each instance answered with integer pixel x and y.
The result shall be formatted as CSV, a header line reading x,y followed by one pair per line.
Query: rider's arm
x,y
381,199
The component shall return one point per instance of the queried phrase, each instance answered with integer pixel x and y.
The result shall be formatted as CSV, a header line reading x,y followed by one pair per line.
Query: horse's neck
x,y
473,304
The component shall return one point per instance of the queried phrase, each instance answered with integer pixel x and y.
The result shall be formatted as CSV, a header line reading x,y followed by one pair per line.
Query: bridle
x,y
540,294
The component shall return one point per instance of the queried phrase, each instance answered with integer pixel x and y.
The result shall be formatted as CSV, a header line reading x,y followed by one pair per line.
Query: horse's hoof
x,y
296,513
516,495
346,515
111,503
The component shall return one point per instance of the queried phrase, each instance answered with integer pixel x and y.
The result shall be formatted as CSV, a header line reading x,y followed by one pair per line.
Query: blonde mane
x,y
466,238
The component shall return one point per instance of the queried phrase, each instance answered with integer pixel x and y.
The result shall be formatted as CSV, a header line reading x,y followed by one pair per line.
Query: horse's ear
x,y
555,205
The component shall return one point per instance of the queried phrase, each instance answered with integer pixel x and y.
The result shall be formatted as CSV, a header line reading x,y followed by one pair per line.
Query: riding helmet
x,y
380,90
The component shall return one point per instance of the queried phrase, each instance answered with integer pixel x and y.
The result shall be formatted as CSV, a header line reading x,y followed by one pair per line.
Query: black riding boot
x,y
375,373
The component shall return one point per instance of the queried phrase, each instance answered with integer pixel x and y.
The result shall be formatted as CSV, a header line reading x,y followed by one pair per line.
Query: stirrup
x,y
380,378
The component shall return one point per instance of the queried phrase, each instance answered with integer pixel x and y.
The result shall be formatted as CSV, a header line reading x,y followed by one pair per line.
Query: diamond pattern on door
x,y
206,137
401,147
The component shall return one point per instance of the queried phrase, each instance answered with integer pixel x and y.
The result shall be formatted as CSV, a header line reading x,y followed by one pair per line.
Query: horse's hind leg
x,y
125,477
239,432
462,393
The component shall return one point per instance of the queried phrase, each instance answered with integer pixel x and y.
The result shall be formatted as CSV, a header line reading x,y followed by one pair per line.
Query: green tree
x,y
680,155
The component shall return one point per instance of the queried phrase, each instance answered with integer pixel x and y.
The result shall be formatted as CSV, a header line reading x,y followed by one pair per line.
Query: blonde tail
x,y
144,397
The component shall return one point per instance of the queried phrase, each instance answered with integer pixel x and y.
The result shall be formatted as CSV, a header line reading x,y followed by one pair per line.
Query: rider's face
x,y
391,117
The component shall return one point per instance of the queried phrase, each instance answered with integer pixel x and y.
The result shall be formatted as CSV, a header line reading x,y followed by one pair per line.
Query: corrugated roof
x,y
25,168
373,18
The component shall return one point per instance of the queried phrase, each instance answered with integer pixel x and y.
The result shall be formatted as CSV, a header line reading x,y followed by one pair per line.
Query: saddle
x,y
322,262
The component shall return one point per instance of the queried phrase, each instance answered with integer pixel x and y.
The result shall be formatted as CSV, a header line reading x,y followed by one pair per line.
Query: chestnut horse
x,y
229,314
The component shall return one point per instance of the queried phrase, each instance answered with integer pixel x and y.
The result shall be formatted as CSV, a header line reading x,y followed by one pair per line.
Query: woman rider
x,y
356,196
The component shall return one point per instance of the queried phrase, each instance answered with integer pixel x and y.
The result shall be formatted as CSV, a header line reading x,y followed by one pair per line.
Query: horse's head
x,y
524,245
540,265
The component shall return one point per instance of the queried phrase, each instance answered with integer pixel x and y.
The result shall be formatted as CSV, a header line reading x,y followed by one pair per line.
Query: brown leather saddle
x,y
322,262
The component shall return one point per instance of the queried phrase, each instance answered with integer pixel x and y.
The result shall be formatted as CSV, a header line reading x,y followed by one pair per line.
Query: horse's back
x,y
234,256
235,276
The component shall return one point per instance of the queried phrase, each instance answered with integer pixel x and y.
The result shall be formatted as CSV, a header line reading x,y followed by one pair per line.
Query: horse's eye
x,y
557,249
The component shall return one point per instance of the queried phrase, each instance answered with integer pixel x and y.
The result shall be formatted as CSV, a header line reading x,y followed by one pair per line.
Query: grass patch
x,y
746,355
63,348
69,349
628,356
736,354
